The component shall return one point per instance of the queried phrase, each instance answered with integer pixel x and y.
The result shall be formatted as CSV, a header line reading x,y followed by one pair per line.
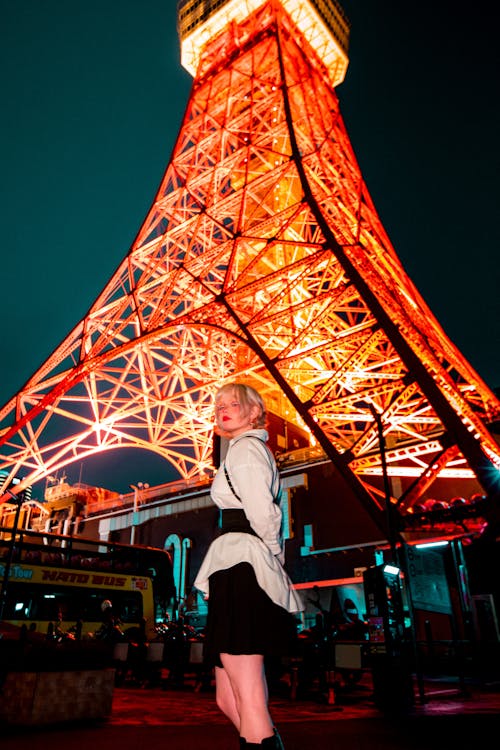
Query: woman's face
x,y
231,417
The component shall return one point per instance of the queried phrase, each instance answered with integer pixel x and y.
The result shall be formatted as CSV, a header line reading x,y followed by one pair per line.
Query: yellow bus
x,y
60,585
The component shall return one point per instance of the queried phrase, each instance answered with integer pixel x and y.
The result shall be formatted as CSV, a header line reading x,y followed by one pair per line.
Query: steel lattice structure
x,y
262,258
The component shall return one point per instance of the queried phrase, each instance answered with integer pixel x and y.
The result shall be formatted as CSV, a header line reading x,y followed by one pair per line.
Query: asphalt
x,y
185,718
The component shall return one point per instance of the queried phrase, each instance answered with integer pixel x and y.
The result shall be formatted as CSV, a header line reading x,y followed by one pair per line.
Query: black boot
x,y
279,741
271,743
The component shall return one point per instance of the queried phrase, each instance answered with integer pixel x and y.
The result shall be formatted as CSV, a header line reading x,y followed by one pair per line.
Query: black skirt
x,y
242,619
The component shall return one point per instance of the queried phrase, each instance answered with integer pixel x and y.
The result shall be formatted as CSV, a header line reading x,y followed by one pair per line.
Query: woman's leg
x,y
225,698
247,678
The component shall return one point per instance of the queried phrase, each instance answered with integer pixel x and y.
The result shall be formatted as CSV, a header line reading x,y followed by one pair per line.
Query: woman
x,y
250,598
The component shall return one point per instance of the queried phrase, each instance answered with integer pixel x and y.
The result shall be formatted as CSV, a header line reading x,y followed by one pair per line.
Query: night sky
x,y
93,98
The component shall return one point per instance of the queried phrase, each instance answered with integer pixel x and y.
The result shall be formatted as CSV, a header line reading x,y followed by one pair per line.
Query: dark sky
x,y
93,96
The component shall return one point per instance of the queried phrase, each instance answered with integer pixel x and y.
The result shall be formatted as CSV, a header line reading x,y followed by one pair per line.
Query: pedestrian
x,y
251,602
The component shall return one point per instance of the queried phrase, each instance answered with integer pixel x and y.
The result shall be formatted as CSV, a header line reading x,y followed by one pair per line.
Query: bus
x,y
56,584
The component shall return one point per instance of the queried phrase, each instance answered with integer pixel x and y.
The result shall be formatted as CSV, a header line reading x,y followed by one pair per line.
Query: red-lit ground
x,y
150,718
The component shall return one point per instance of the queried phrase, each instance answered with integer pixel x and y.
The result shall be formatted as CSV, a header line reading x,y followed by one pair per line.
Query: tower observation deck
x,y
263,258
322,22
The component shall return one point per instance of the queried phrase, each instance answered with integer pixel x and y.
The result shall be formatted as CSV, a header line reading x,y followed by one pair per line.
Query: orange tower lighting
x,y
262,258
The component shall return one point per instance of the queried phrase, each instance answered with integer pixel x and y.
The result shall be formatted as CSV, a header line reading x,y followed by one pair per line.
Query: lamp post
x,y
387,489
389,658
137,490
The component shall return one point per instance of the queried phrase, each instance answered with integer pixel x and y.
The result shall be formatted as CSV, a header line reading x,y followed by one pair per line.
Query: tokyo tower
x,y
262,258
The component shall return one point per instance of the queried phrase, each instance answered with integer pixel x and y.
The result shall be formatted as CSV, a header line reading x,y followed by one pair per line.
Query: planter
x,y
38,698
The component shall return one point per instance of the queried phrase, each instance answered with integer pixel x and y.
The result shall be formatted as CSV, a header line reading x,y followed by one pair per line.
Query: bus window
x,y
41,603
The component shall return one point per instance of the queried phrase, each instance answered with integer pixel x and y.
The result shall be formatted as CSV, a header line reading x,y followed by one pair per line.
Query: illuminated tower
x,y
262,258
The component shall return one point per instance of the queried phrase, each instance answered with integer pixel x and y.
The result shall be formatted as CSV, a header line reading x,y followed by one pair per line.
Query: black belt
x,y
233,519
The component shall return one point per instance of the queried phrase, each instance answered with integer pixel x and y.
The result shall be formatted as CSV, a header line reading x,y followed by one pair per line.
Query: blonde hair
x,y
247,397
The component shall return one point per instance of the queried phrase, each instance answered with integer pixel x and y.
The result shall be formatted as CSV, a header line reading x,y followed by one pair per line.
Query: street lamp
x,y
387,488
137,490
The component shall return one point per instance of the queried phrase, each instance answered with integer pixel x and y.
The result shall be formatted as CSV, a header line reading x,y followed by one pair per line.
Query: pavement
x,y
185,718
